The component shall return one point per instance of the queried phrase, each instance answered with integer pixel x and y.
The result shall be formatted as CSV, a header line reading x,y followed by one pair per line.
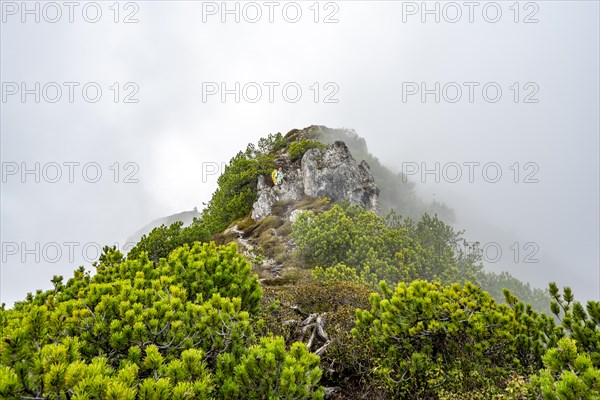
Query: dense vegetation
x,y
231,201
181,328
366,307
379,249
397,249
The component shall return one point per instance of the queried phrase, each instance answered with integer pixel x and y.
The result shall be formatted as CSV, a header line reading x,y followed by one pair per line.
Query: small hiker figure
x,y
277,176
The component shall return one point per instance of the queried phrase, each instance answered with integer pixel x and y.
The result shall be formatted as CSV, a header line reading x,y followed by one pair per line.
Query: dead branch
x,y
322,349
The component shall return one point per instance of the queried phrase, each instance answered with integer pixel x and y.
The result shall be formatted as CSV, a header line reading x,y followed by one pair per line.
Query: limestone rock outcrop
x,y
330,172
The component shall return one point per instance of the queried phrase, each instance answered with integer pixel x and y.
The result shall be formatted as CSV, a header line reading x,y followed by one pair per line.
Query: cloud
x,y
365,57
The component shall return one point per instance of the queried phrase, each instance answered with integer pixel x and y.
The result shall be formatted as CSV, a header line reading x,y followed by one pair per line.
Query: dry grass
x,y
245,223
281,207
225,238
294,276
271,244
268,223
286,229
316,204
293,135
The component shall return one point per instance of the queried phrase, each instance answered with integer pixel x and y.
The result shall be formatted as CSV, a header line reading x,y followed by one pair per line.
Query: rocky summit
x,y
331,172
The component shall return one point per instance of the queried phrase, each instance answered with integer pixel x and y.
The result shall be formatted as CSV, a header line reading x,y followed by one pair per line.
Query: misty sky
x,y
371,62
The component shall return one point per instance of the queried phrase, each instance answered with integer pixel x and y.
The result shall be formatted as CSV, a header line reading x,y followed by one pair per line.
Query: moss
x,y
281,207
248,230
270,222
294,276
297,149
344,361
286,229
318,298
293,135
245,223
271,245
225,238
281,256
339,301
311,203
289,278
296,260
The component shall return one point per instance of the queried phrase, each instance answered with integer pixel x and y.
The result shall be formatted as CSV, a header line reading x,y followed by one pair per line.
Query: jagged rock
x,y
294,214
335,174
331,172
290,190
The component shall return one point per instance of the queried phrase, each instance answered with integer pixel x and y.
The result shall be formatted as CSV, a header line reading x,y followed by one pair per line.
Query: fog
x,y
519,99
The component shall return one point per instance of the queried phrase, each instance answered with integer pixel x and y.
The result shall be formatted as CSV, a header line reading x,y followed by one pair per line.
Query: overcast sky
x,y
517,86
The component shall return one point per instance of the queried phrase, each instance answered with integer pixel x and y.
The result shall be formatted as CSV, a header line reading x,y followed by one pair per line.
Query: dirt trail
x,y
247,246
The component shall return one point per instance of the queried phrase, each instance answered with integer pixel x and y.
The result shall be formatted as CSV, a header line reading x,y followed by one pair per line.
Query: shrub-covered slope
x,y
320,299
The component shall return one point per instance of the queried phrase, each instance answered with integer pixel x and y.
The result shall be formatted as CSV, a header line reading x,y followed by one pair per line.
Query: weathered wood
x,y
322,349
312,339
330,391
310,319
321,328
313,325
298,310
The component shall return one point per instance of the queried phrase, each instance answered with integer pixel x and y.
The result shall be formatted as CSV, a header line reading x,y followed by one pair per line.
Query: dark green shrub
x,y
425,338
207,269
267,372
163,240
568,374
297,149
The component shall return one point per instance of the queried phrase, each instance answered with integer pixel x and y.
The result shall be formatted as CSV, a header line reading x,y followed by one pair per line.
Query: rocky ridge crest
x,y
331,172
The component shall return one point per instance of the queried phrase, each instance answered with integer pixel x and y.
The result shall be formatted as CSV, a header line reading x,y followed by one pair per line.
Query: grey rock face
x,y
294,214
329,173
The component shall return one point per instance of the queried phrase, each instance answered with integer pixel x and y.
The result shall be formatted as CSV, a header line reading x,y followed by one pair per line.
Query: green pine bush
x,y
268,372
